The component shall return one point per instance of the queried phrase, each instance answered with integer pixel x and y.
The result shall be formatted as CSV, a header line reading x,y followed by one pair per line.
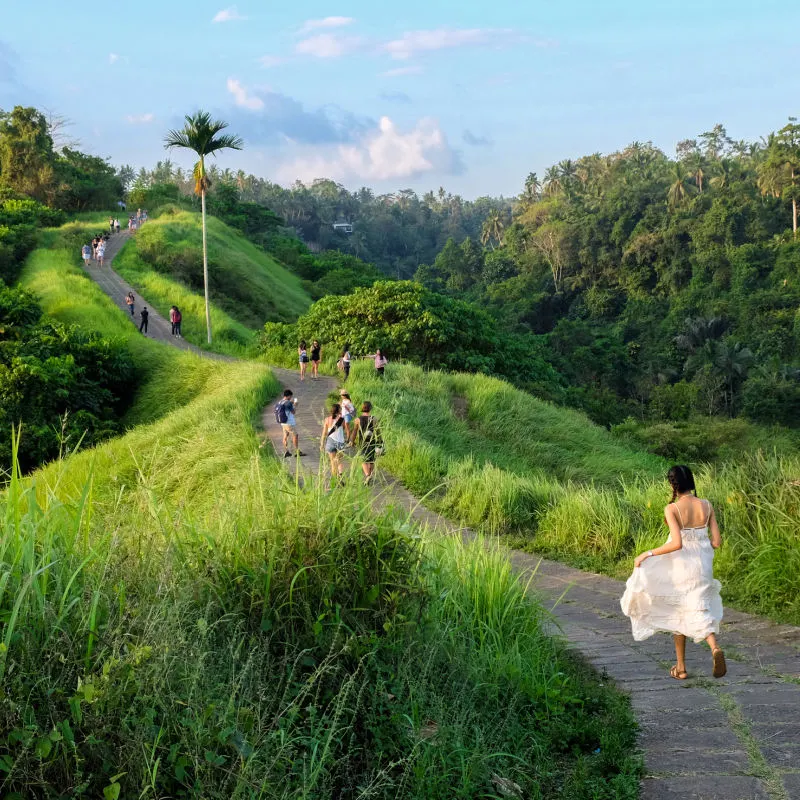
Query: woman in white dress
x,y
672,588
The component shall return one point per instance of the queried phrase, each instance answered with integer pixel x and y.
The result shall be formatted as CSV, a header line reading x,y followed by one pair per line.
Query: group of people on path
x,y
96,249
135,221
175,316
314,356
342,428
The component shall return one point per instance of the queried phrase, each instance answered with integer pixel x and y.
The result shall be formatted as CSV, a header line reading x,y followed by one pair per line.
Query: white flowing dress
x,y
676,592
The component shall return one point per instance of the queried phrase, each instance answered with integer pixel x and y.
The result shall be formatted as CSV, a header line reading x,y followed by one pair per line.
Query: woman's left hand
x,y
640,559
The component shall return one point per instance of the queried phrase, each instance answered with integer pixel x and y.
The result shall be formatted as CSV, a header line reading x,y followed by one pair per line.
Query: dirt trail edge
x,y
732,739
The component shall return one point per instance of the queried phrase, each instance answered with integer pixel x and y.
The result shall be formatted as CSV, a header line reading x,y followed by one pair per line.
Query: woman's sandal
x,y
720,668
679,675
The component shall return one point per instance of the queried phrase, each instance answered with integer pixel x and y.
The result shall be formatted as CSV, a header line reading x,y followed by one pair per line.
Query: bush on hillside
x,y
19,219
62,385
410,322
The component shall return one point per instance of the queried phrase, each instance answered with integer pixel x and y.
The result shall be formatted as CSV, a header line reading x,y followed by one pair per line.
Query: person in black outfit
x,y
145,314
316,355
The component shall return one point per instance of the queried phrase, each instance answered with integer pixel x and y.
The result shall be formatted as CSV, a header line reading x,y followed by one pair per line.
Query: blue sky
x,y
468,95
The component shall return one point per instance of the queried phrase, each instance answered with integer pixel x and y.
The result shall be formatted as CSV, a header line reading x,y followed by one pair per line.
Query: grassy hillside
x,y
178,619
499,460
248,287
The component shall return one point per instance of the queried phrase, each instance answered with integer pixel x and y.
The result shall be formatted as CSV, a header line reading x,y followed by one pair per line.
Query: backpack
x,y
178,316
280,413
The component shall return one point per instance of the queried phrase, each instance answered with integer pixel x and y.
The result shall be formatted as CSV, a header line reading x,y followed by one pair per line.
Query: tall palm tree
x,y
492,228
678,189
201,134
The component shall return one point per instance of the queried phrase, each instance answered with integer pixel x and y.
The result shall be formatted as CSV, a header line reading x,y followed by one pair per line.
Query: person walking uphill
x,y
335,433
130,301
285,417
302,354
175,321
366,438
673,588
145,316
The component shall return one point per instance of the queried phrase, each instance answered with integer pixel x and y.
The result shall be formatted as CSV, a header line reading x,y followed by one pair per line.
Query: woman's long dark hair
x,y
336,410
681,480
303,344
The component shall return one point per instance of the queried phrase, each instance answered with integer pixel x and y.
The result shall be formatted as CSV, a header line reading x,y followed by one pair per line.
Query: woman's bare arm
x,y
713,525
675,542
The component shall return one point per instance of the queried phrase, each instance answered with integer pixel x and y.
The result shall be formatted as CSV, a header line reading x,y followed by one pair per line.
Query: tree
x,y
492,229
678,189
203,136
550,240
26,153
779,173
533,188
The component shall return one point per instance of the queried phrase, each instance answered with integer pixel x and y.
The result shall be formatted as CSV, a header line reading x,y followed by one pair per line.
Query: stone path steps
x,y
733,739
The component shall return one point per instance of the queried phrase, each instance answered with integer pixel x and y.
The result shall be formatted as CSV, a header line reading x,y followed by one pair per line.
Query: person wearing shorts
x,y
289,427
86,254
302,353
365,437
316,355
335,432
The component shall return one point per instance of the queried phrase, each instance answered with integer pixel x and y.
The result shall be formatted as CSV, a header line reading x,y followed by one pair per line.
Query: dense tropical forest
x,y
631,285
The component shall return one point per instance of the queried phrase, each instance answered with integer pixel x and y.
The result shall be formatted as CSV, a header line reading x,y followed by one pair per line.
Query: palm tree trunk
x,y
205,263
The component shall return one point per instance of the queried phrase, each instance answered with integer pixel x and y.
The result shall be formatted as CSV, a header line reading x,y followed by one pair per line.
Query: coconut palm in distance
x,y
201,134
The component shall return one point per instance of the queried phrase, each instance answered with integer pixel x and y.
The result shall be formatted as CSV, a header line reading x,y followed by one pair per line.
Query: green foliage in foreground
x,y
246,283
501,461
177,619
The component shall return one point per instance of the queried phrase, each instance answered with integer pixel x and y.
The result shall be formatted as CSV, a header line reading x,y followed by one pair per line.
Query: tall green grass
x,y
500,461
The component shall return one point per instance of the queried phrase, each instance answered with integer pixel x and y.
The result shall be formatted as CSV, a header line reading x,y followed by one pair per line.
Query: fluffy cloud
x,y
228,15
476,141
327,22
327,45
399,71
140,119
385,153
413,42
263,116
241,96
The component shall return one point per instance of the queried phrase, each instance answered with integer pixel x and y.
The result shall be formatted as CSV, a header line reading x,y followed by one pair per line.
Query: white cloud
x,y
140,119
242,98
398,71
271,61
113,58
327,45
413,42
385,153
327,22
228,15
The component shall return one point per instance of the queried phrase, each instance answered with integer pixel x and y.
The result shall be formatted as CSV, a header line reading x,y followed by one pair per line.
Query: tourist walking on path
x,y
175,320
302,353
285,416
86,254
116,225
345,362
673,588
316,355
130,301
101,252
365,437
145,315
335,433
348,409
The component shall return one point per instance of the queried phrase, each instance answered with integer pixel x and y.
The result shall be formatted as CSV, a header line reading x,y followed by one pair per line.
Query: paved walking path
x,y
158,328
732,739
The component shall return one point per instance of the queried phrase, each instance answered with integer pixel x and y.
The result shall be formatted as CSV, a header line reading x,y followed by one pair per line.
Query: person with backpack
x,y
145,316
335,433
285,417
365,436
130,300
178,320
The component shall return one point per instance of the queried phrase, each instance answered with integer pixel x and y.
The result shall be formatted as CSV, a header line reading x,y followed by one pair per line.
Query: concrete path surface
x,y
737,738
